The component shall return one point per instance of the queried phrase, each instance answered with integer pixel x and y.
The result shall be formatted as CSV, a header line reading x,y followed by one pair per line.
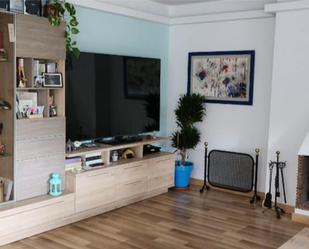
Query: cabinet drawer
x,y
129,189
94,182
161,166
161,182
133,171
95,189
27,217
95,199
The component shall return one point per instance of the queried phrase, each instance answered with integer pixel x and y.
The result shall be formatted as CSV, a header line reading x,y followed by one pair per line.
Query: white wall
x,y
289,116
227,127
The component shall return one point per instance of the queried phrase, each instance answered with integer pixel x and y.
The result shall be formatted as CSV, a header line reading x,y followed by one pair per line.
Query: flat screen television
x,y
111,96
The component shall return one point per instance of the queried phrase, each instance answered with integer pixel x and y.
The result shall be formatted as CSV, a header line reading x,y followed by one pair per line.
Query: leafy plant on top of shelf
x,y
190,110
58,11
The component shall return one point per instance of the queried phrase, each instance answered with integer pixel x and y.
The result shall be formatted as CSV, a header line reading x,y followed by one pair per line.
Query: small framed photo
x,y
5,5
52,80
17,6
33,7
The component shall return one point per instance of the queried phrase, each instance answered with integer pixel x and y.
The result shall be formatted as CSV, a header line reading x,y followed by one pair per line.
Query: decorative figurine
x,y
115,156
3,53
52,107
21,78
2,146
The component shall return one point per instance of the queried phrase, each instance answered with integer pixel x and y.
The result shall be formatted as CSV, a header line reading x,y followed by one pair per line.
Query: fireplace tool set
x,y
279,166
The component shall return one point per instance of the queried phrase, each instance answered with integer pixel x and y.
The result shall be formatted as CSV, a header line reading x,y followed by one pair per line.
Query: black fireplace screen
x,y
231,170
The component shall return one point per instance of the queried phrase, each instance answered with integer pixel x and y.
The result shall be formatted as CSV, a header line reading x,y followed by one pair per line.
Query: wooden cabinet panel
x,y
37,149
131,189
32,175
160,182
26,217
133,171
40,151
95,189
27,129
36,38
161,166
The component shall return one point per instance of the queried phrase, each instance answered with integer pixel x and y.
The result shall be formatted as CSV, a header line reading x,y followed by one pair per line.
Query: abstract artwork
x,y
222,77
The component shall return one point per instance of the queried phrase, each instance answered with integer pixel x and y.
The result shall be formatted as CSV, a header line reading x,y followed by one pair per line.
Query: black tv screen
x,y
111,95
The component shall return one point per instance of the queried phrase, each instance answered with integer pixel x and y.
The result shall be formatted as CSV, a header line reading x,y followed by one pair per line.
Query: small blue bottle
x,y
55,184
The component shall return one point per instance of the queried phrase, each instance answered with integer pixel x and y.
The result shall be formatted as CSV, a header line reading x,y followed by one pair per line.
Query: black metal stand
x,y
279,166
205,187
255,198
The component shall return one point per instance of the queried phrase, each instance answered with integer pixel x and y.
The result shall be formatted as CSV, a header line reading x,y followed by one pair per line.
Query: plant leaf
x,y
74,31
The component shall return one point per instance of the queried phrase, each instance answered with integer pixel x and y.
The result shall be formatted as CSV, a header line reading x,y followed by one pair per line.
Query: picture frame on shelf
x,y
5,5
33,7
52,80
225,77
17,6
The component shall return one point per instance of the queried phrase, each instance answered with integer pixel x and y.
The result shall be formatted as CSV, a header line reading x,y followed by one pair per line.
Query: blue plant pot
x,y
182,174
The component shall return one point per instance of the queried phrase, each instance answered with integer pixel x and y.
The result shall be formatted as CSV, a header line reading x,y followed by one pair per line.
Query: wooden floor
x,y
182,220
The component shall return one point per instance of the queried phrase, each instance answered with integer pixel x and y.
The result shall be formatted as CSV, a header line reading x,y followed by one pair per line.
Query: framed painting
x,y
222,77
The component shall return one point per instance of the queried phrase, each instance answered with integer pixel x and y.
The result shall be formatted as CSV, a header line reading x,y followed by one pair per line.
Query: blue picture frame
x,y
229,89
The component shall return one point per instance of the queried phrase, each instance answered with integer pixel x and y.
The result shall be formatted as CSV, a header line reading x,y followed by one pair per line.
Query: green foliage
x,y
190,110
187,138
66,11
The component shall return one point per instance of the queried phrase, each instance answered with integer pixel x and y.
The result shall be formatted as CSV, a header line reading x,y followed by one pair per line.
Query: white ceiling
x,y
181,2
175,12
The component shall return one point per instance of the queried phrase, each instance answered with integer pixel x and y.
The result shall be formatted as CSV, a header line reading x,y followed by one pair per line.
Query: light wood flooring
x,y
182,220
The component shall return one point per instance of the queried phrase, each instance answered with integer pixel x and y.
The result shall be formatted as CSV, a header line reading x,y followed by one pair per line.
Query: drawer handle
x,y
100,174
131,183
31,209
140,165
163,160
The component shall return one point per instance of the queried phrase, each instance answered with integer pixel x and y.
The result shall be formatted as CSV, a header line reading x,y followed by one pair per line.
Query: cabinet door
x,y
40,151
161,173
166,181
36,38
95,189
161,166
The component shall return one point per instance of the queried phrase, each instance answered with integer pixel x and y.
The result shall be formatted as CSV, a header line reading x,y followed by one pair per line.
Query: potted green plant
x,y
190,110
60,10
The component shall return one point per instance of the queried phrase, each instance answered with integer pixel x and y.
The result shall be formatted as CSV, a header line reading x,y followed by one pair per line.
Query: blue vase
x,y
182,174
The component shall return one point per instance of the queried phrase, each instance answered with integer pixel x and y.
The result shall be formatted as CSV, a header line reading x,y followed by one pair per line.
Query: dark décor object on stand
x,y
190,110
150,149
205,186
5,4
224,77
4,105
222,170
33,7
279,171
58,11
256,198
268,198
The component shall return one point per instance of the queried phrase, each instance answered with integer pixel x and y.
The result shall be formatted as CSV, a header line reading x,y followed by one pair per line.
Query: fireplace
x,y
302,191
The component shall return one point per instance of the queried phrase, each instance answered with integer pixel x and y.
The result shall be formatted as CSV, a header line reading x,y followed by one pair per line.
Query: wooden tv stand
x,y
92,192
